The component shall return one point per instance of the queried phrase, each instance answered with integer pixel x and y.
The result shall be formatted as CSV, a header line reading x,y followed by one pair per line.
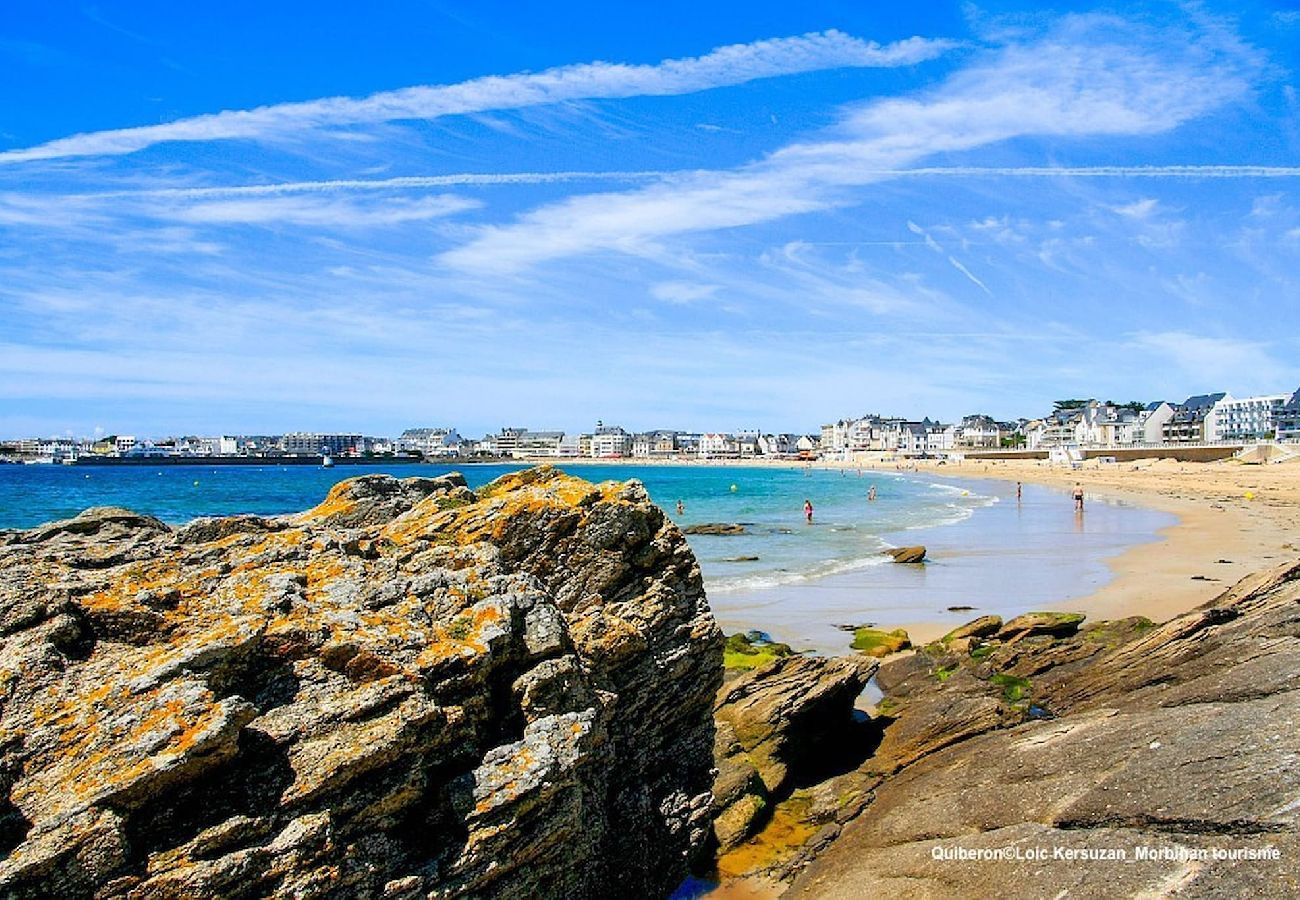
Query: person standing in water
x,y
808,511
1017,491
871,493
681,507
1078,497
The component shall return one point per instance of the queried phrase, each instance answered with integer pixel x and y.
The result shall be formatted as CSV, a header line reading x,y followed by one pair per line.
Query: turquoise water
x,y
845,533
988,550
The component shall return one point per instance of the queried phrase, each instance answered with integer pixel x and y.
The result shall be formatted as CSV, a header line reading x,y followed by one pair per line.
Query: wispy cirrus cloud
x,y
330,212
1091,76
723,67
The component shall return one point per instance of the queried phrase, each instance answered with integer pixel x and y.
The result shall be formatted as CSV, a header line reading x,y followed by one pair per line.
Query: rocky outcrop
x,y
878,642
715,528
775,723
1171,740
907,554
411,690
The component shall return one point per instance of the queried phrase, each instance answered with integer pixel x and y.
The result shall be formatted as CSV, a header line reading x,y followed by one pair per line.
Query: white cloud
x,y
1217,363
1091,76
682,291
1138,209
724,66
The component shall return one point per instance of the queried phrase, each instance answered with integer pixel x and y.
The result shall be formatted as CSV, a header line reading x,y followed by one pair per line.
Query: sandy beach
x,y
1233,519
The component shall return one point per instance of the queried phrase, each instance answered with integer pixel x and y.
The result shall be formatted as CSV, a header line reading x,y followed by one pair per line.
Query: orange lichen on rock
x,y
337,502
231,702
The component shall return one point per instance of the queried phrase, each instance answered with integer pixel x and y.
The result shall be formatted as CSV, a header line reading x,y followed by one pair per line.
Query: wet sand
x,y
1188,531
1008,558
1220,534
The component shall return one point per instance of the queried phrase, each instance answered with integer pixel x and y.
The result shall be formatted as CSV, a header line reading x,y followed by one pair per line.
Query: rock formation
x,y
1162,741
773,723
715,528
907,554
411,690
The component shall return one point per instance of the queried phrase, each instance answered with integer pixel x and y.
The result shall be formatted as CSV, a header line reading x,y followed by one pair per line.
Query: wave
x,y
763,580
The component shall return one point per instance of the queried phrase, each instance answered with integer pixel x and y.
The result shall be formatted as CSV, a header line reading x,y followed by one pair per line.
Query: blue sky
x,y
715,216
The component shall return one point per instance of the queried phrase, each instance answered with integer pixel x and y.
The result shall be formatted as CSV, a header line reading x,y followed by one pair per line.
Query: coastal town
x,y
1072,428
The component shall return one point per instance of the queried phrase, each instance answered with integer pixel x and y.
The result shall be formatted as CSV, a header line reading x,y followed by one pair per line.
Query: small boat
x,y
327,462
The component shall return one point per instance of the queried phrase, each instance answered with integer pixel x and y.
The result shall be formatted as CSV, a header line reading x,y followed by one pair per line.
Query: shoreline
x,y
1219,536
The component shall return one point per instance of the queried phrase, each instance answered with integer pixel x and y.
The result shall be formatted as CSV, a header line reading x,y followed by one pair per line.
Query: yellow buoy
x,y
734,488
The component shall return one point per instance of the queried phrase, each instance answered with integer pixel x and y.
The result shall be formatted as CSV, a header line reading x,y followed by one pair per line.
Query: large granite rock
x,y
1176,744
411,690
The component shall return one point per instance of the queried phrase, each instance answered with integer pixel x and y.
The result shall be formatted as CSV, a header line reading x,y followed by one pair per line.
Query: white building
x,y
1148,428
610,441
1287,419
539,444
124,444
718,445
977,431
1249,418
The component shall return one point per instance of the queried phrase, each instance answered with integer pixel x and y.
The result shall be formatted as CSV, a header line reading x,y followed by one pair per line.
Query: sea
x,y
802,583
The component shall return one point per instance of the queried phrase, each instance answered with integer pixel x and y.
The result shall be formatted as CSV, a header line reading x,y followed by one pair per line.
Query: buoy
x,y
196,483
734,488
965,493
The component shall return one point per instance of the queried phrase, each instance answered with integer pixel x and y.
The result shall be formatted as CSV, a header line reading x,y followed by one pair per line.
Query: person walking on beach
x,y
807,511
1078,497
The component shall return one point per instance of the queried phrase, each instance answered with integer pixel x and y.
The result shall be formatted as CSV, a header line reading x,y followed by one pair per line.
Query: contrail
x,y
1092,172
380,184
473,179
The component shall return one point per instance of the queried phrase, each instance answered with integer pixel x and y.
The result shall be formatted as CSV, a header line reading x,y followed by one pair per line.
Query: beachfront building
x,y
610,441
718,445
1287,419
1148,428
198,446
977,431
747,444
778,445
654,444
123,444
507,441
809,444
532,444
429,441
1195,420
312,443
1090,423
1249,418
571,445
